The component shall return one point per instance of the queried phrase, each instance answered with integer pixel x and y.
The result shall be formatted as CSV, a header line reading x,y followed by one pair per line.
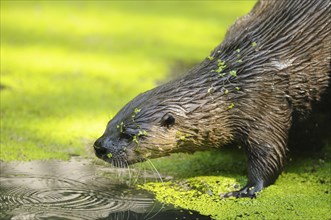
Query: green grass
x,y
68,67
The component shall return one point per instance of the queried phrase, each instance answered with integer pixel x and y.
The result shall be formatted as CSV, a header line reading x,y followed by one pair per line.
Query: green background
x,y
68,67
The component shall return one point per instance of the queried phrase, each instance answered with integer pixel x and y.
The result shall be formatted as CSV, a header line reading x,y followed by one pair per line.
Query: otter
x,y
274,62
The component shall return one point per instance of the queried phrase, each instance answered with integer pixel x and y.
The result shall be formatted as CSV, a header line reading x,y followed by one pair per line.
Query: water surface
x,y
78,190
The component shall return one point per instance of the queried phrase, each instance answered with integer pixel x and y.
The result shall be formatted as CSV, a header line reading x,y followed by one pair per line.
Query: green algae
x,y
221,66
136,110
233,73
231,105
135,139
121,127
142,133
181,136
301,192
210,90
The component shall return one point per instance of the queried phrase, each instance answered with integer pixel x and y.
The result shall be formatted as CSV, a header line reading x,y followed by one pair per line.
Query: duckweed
x,y
121,126
233,73
136,110
210,90
135,139
220,69
231,106
221,63
142,133
221,66
181,136
301,192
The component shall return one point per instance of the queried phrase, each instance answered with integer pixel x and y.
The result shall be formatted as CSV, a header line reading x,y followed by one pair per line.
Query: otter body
x,y
273,62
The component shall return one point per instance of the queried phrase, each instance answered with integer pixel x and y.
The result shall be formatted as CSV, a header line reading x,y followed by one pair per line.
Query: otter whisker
x,y
145,175
141,171
116,162
128,216
122,164
126,164
157,172
138,172
153,173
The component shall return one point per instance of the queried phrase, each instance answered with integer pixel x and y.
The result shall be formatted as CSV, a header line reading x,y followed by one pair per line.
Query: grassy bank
x,y
68,67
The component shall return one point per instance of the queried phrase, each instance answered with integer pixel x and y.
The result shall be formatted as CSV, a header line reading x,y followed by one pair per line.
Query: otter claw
x,y
247,192
239,194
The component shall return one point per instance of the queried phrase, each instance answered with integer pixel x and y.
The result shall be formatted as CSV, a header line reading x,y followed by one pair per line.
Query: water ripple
x,y
45,190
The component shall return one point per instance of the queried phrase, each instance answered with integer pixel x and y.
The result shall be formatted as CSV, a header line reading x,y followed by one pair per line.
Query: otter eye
x,y
126,136
167,120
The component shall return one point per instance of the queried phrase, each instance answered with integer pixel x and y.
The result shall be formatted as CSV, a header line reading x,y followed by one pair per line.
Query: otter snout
x,y
103,148
110,152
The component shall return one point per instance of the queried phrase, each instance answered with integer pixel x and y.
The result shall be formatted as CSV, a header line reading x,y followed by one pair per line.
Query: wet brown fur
x,y
282,66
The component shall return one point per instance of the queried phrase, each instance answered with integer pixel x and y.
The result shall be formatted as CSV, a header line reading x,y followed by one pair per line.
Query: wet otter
x,y
273,62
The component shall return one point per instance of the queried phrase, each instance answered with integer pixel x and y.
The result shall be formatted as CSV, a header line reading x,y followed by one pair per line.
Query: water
x,y
77,190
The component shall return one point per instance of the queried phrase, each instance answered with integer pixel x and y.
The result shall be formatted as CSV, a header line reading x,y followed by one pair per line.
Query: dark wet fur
x,y
282,68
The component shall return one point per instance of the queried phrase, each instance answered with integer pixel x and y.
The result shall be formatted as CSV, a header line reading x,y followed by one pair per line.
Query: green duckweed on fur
x,y
231,105
233,73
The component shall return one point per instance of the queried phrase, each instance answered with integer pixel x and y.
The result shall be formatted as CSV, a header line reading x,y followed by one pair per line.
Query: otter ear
x,y
167,120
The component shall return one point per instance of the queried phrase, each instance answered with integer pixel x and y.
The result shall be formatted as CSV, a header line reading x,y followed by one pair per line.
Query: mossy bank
x,y
303,191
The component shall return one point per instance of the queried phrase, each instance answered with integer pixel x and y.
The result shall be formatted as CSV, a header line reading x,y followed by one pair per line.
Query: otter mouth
x,y
116,158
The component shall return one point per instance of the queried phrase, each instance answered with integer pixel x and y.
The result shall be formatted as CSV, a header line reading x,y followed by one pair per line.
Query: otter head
x,y
147,127
179,116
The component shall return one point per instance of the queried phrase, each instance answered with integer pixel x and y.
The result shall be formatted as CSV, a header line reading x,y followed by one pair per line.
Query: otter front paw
x,y
248,191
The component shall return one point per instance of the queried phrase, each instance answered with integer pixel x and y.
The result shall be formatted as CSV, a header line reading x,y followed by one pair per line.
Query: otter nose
x,y
99,149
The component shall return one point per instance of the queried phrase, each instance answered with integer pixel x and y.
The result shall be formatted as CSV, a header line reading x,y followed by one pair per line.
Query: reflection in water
x,y
73,190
